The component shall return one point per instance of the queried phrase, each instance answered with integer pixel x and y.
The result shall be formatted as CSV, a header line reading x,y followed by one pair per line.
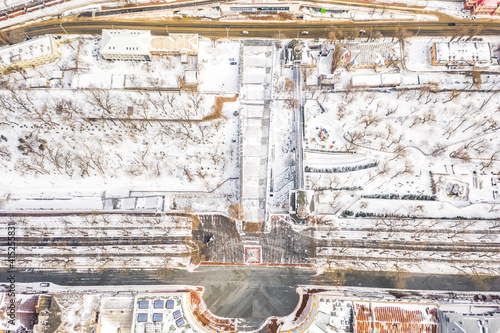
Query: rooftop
x,y
25,51
387,317
183,43
465,51
125,41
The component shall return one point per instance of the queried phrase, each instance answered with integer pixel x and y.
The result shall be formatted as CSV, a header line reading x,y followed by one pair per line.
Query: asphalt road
x,y
249,292
256,29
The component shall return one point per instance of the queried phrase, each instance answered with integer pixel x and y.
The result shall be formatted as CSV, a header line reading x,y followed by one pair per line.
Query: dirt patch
x,y
217,107
253,226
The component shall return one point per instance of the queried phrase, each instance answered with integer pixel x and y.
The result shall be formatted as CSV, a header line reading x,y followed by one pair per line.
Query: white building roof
x,y
463,51
161,81
134,42
57,74
37,82
31,49
366,80
191,77
392,79
91,80
375,80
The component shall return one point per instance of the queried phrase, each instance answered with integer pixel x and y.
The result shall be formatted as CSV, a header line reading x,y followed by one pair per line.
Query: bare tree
x,y
235,212
337,57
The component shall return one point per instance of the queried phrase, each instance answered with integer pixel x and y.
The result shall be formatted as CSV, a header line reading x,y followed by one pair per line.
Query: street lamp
x,y
417,32
227,32
166,27
279,34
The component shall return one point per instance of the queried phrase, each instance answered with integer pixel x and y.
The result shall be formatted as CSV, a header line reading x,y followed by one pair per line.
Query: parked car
x,y
304,32
210,240
44,284
452,24
233,63
362,31
244,32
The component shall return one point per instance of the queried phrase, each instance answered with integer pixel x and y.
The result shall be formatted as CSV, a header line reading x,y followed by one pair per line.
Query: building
x,y
301,205
174,44
27,54
483,7
369,55
126,45
379,317
37,82
26,314
139,45
232,8
453,322
191,79
475,54
376,80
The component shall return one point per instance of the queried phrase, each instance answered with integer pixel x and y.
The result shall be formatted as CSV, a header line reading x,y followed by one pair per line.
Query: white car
x,y
244,32
304,32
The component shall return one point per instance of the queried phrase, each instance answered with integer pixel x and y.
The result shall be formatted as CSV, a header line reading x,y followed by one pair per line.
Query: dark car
x,y
452,24
233,63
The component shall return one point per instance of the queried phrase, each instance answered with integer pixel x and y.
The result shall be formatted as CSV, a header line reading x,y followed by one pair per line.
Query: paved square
x,y
253,254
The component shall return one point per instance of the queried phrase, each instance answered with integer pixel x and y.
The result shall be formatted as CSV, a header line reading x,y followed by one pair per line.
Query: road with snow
x,y
299,126
248,292
255,29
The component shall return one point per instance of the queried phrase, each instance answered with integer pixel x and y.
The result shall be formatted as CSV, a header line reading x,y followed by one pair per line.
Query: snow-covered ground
x,y
384,162
219,66
387,133
79,136
93,247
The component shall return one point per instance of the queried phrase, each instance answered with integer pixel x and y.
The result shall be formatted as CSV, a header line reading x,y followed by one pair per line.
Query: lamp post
x,y
166,27
279,34
227,32
417,32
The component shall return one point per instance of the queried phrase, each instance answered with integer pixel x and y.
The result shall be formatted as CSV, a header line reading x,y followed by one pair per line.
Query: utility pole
x,y
417,32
